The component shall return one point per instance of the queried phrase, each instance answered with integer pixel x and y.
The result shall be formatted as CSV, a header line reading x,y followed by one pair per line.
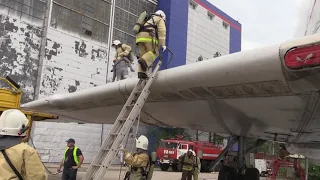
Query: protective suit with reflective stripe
x,y
149,43
138,163
25,159
122,50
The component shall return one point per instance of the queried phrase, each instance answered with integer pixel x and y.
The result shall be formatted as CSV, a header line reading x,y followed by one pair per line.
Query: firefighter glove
x,y
164,48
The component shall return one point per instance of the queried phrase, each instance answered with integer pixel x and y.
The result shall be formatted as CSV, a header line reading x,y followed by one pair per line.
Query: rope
x,y
48,171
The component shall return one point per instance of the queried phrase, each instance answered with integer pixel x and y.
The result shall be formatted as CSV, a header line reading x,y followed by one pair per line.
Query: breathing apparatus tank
x,y
141,20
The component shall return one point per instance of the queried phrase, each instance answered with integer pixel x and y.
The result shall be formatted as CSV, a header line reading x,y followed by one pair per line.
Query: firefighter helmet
x,y
161,14
116,42
142,142
13,123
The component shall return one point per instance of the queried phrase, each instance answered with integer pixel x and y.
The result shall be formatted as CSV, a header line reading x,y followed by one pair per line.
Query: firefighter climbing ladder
x,y
120,128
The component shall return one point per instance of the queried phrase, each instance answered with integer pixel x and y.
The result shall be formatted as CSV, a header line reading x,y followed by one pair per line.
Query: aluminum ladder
x,y
121,128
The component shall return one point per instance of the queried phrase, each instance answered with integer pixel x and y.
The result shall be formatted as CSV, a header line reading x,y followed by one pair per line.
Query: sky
x,y
267,22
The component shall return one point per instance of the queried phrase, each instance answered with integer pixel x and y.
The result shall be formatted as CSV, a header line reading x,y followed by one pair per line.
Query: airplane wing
x,y
269,93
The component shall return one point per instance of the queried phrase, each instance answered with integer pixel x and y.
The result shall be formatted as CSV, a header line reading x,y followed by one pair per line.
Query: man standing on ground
x,y
139,161
72,160
197,166
187,162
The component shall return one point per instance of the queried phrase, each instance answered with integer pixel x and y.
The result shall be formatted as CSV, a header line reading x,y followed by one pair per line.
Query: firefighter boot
x,y
142,75
143,65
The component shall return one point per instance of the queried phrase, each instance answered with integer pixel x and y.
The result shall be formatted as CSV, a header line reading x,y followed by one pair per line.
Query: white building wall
x,y
49,139
66,69
205,36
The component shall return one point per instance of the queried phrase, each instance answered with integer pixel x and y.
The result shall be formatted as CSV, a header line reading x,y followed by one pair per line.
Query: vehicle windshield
x,y
170,145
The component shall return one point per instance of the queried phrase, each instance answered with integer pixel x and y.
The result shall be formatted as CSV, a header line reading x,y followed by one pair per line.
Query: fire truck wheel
x,y
164,167
176,167
252,174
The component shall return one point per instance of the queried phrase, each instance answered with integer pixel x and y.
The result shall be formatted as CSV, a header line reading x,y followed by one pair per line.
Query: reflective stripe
x,y
75,157
147,40
152,54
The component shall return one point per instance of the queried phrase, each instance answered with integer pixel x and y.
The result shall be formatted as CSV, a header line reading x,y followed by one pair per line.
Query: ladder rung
x,y
122,120
137,92
106,152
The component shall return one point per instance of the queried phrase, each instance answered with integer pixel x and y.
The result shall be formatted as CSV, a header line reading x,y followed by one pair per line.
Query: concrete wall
x,y
19,49
49,139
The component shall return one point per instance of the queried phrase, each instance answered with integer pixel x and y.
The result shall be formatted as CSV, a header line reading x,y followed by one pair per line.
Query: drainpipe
x,y
113,7
42,52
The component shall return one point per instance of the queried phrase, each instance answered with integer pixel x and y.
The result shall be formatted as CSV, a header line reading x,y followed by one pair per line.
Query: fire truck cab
x,y
170,150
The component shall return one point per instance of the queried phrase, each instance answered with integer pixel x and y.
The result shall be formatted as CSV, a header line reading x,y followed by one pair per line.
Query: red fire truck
x,y
170,150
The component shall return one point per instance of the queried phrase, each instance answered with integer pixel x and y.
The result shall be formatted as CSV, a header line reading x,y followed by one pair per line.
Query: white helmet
x,y
142,142
116,42
193,153
162,14
13,123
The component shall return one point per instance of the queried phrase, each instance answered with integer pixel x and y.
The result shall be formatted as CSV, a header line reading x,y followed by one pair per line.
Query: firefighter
x,y
122,60
139,161
283,153
197,166
17,159
187,163
151,37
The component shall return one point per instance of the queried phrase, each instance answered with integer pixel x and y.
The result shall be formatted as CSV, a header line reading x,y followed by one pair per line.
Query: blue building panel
x,y
235,40
177,27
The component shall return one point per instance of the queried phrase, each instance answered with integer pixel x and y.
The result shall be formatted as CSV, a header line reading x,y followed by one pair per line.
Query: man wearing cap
x,y
187,163
72,160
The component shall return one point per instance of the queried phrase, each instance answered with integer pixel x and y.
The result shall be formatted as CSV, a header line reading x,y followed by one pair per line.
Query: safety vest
x,y
75,157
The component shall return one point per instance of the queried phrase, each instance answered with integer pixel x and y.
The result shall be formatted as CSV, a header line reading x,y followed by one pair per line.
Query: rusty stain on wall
x,y
19,53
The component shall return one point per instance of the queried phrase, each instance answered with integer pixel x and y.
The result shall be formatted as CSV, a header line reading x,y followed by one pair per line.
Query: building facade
x,y
63,46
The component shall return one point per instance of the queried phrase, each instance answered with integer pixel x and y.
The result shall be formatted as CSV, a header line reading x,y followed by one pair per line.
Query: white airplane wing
x,y
269,93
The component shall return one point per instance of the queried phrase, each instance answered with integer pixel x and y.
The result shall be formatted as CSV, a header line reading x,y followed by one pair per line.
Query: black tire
x,y
176,167
263,174
252,174
164,167
227,173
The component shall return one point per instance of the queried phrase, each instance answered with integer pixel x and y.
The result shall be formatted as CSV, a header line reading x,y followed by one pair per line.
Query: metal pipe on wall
x,y
113,7
46,22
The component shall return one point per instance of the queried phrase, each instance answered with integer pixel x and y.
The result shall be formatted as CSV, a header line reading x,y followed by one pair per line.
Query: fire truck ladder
x,y
121,127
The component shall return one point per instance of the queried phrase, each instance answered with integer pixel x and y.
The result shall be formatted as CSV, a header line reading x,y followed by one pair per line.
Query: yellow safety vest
x,y
75,157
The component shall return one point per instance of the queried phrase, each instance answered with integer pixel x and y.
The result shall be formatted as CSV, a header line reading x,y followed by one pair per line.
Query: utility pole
x,y
210,137
197,135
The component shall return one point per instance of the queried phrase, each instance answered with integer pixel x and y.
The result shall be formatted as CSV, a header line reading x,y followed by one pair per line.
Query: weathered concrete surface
x,y
114,171
113,174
